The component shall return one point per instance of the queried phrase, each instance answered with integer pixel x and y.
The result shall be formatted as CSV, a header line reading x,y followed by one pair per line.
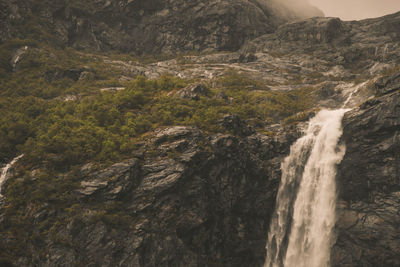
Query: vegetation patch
x,y
59,133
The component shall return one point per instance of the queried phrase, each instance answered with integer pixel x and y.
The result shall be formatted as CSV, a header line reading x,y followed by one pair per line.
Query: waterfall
x,y
4,171
355,90
301,228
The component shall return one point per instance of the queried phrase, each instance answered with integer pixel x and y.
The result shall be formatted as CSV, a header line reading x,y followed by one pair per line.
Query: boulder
x,y
246,58
193,91
235,125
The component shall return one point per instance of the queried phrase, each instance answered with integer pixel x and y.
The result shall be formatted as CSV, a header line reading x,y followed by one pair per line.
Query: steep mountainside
x,y
193,201
145,26
174,160
369,181
354,44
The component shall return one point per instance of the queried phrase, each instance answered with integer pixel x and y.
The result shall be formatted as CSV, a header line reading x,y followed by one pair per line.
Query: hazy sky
x,y
357,9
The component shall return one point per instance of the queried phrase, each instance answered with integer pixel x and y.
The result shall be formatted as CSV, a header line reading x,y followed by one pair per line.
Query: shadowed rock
x,y
369,182
206,202
148,26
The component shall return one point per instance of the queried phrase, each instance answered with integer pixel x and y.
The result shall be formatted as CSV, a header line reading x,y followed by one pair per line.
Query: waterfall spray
x,y
301,229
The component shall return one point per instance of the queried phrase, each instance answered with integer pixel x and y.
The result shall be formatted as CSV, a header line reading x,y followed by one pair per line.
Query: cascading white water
x,y
5,170
301,228
310,237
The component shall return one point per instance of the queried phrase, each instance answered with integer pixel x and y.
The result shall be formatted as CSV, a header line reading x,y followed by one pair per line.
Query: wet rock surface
x,y
369,182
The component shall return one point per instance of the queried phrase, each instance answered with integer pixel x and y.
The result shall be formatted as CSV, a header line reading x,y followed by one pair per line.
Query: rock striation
x,y
191,199
357,44
147,26
188,200
369,182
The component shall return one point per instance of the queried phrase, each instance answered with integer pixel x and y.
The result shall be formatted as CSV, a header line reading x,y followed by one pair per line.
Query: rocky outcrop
x,y
58,74
387,85
187,200
369,182
235,125
193,91
146,26
357,44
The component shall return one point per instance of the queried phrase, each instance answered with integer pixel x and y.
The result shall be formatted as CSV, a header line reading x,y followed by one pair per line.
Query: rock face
x,y
359,44
369,182
193,91
196,200
234,124
189,200
300,53
147,26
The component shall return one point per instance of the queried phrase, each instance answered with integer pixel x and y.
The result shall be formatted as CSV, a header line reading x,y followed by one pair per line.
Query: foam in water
x,y
300,233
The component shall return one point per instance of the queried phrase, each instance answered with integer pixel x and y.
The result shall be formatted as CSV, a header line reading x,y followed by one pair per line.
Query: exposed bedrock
x,y
147,26
369,182
189,200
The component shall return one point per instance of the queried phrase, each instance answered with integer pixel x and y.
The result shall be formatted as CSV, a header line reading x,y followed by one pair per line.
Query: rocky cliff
x,y
189,197
369,181
188,200
355,44
146,26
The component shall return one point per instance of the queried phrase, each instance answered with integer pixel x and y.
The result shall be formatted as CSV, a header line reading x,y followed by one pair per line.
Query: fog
x,y
356,9
300,7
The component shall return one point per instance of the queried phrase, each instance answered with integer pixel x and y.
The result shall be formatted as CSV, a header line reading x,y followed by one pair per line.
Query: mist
x,y
356,9
302,8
